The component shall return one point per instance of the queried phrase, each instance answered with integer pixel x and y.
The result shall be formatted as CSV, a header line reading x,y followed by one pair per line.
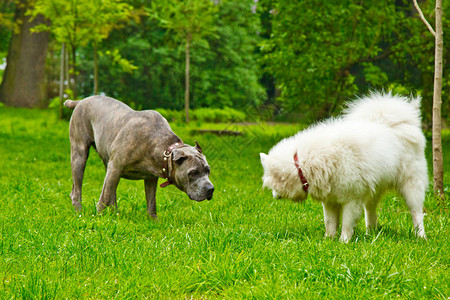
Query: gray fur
x,y
131,144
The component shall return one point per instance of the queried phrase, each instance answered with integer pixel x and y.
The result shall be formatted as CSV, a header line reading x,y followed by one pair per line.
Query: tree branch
x,y
423,18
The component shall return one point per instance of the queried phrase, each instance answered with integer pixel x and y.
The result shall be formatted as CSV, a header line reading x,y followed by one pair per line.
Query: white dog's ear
x,y
264,158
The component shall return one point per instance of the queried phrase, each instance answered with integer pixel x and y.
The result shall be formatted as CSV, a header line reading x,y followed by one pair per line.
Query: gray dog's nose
x,y
210,192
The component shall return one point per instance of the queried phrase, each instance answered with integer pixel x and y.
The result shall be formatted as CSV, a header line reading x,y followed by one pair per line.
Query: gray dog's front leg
x,y
108,195
150,194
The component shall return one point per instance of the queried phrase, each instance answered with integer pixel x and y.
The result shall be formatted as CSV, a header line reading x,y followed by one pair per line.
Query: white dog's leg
x,y
331,214
351,213
370,213
414,199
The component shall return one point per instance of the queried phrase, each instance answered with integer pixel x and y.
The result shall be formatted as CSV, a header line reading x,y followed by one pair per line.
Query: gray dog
x,y
133,145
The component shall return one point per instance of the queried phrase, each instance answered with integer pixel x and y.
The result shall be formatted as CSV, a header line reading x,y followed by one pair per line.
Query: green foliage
x,y
79,22
117,59
224,69
241,244
322,53
55,105
374,75
399,89
445,135
229,75
6,19
314,47
7,25
303,57
208,115
215,115
415,55
171,115
190,20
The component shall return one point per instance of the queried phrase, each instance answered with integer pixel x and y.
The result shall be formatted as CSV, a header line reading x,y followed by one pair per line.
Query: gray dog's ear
x,y
178,156
197,146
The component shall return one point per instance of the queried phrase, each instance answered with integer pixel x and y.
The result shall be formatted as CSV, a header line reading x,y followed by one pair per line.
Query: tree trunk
x,y
24,82
186,79
438,170
61,80
95,68
67,69
73,72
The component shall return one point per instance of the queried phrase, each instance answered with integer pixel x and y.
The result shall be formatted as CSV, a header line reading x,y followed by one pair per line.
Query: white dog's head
x,y
282,178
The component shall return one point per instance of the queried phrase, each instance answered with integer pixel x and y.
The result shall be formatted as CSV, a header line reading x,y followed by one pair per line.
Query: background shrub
x,y
207,115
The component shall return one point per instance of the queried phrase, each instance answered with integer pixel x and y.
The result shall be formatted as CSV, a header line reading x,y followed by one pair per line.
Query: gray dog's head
x,y
191,172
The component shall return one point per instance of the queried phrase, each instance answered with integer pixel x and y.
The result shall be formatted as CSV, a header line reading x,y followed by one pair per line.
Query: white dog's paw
x,y
420,233
344,239
346,236
330,235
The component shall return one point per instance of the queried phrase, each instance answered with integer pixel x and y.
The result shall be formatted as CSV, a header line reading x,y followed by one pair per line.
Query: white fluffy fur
x,y
351,161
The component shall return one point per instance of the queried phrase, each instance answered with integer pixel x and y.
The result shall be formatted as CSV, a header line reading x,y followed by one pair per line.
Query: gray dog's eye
x,y
194,173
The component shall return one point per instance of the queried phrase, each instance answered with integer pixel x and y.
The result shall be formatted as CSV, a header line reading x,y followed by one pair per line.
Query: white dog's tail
x,y
385,108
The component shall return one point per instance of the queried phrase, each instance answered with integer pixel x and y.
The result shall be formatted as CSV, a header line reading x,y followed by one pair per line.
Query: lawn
x,y
241,244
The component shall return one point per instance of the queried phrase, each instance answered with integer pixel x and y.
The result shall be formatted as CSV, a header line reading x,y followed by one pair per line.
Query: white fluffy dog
x,y
347,163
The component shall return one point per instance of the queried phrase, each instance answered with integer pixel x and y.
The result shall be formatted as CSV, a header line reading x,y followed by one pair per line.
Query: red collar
x,y
167,154
305,183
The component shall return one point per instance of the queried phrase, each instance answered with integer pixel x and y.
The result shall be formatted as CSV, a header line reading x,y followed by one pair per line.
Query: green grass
x,y
241,244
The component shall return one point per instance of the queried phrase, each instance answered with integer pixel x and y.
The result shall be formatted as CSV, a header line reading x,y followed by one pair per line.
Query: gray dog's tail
x,y
71,104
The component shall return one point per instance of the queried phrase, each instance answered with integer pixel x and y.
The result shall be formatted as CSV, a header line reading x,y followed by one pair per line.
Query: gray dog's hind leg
x,y
81,139
108,195
79,156
150,195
